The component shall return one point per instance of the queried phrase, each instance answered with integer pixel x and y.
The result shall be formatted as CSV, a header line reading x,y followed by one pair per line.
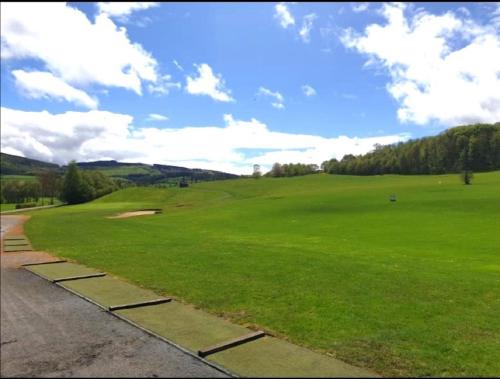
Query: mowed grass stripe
x,y
404,288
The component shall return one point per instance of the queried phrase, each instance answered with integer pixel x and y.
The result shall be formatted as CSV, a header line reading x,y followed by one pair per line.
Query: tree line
x,y
464,149
82,186
292,169
46,184
74,187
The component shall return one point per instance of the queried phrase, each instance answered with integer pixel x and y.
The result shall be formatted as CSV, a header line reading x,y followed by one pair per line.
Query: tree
x,y
49,183
465,159
256,171
11,191
277,170
74,189
98,183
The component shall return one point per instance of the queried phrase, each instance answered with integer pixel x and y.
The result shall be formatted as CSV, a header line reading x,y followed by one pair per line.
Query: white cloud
x,y
464,10
279,100
36,85
360,7
123,9
74,49
208,84
442,67
61,137
163,85
96,135
308,90
307,24
178,65
157,117
12,151
283,15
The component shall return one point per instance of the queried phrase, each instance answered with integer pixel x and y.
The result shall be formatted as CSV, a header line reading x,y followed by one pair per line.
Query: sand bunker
x,y
134,214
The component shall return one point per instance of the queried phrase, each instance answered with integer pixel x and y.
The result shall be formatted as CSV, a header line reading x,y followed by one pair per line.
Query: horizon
x,y
224,86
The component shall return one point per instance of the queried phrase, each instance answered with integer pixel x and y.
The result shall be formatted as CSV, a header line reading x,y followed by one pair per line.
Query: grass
x,y
410,288
126,170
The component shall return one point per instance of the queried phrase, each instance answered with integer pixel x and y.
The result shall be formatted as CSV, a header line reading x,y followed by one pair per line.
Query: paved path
x,y
47,331
30,209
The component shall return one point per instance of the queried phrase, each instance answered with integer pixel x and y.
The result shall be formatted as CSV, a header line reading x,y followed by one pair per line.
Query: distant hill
x,y
141,173
14,165
138,173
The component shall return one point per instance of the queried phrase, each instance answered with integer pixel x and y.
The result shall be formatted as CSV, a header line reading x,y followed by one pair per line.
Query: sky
x,y
225,86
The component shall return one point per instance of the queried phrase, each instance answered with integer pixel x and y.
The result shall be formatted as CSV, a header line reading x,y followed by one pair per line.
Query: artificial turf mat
x,y
182,324
61,270
16,242
10,249
13,238
271,357
108,291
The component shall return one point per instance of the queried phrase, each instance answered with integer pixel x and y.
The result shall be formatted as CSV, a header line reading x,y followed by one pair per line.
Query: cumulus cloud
x,y
283,15
157,117
36,85
279,100
442,67
61,137
75,49
208,84
96,135
307,24
123,9
308,90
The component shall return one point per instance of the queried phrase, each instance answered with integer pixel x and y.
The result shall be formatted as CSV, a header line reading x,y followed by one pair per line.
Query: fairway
x,y
410,287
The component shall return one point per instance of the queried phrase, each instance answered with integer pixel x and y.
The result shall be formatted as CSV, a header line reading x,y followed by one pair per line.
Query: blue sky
x,y
227,85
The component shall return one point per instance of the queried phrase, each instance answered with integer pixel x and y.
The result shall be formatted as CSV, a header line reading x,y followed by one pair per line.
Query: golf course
x,y
405,288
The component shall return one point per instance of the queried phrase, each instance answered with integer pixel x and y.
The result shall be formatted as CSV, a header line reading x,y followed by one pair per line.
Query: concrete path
x,y
48,332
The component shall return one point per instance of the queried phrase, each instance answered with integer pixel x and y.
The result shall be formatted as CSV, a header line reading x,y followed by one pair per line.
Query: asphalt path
x,y
48,332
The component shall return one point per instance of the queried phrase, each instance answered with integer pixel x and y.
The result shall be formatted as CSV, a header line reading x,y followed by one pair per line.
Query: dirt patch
x,y
134,214
16,259
13,225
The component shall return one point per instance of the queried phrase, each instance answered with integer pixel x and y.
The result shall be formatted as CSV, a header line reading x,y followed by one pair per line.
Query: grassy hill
x,y
410,287
141,173
13,166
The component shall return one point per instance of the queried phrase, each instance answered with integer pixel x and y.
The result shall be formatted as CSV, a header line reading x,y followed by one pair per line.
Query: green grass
x,y
126,170
7,207
404,288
